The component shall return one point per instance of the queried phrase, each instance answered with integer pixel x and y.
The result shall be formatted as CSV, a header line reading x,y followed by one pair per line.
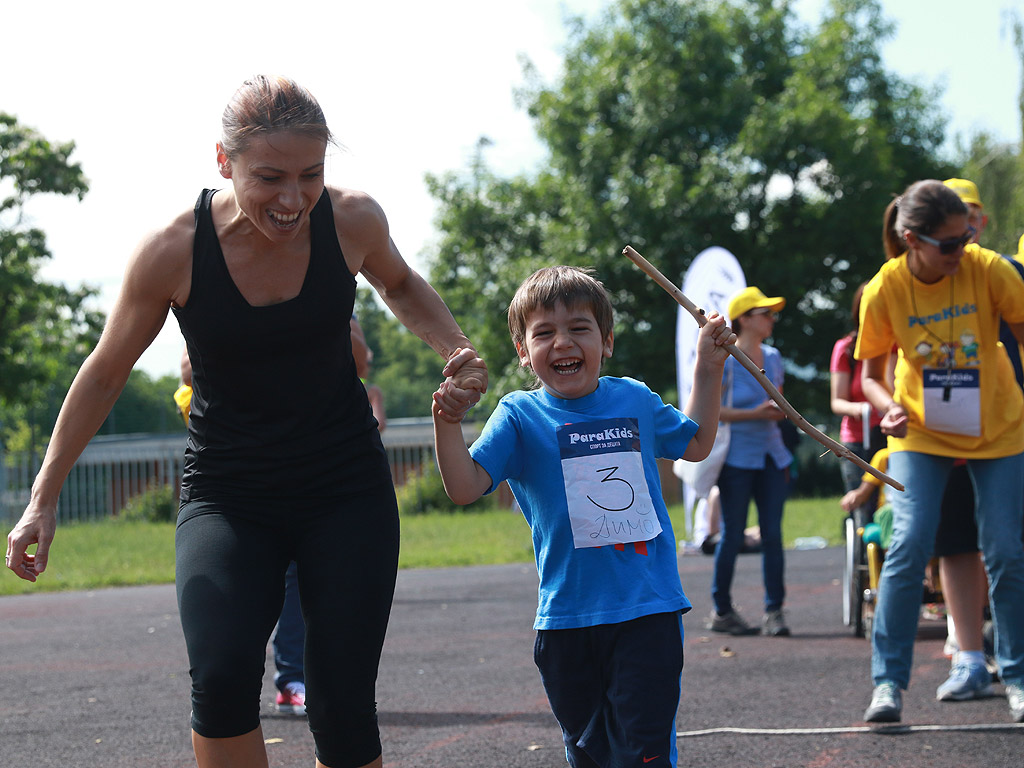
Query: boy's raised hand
x,y
713,339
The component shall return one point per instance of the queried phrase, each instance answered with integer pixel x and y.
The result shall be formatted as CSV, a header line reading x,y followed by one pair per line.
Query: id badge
x,y
952,400
605,485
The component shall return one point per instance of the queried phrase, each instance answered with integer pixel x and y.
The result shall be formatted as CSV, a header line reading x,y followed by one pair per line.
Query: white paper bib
x,y
605,486
952,400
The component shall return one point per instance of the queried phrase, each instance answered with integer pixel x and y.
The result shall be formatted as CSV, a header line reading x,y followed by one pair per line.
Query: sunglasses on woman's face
x,y
949,245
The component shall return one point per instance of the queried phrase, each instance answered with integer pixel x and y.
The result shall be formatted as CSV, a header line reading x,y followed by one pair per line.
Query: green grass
x,y
813,517
465,538
107,554
114,553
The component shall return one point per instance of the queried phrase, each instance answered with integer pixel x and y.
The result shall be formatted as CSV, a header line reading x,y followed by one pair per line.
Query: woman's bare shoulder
x,y
163,257
353,204
362,227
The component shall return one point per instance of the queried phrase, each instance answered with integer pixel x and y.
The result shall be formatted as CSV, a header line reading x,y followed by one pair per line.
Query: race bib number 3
x,y
605,486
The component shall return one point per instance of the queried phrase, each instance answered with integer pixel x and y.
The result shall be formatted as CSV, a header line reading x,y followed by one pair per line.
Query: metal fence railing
x,y
113,469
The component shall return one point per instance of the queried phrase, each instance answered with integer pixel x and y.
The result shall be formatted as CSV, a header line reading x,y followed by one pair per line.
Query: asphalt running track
x,y
100,679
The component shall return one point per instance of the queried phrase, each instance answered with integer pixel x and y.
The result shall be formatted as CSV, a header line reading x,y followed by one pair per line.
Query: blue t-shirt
x,y
521,443
751,441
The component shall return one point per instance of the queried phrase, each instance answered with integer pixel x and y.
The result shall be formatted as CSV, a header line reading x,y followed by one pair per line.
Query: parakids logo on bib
x,y
593,437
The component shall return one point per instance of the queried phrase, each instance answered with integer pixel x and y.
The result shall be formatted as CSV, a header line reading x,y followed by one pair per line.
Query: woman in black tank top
x,y
283,461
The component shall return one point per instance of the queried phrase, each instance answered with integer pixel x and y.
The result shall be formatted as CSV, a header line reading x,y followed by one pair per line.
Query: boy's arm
x,y
705,399
465,481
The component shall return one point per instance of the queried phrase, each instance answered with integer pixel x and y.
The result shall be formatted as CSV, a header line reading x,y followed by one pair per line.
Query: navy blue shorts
x,y
958,530
614,689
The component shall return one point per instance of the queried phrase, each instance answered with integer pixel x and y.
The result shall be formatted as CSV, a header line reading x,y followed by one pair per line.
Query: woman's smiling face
x,y
277,180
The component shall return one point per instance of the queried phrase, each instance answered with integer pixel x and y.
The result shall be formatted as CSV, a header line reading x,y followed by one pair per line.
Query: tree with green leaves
x,y
144,405
679,125
998,170
405,368
46,329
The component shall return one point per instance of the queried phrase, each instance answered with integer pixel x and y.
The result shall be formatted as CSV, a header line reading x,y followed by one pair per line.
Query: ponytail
x,y
892,240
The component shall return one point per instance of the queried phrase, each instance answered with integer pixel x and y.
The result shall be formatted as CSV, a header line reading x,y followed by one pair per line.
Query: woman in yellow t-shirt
x,y
939,299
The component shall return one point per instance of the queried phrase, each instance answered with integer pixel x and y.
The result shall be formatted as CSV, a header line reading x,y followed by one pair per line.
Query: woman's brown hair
x,y
922,208
264,105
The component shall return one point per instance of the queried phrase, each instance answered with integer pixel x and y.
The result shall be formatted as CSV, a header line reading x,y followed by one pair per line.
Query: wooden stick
x,y
698,314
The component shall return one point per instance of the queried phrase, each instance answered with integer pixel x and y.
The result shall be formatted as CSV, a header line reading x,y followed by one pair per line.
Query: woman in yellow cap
x,y
756,467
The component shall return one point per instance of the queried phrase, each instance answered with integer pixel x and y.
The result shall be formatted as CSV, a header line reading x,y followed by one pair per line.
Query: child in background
x,y
580,455
869,485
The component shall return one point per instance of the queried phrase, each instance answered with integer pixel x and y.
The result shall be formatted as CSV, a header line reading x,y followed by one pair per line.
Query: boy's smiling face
x,y
564,347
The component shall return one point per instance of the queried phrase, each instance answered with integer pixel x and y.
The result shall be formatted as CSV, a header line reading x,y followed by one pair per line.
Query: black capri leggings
x,y
230,584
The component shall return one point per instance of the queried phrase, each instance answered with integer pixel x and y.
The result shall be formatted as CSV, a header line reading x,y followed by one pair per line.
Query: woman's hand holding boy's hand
x,y
466,370
714,338
466,380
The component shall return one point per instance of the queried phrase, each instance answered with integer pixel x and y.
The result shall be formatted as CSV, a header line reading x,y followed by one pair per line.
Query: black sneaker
x,y
731,624
774,624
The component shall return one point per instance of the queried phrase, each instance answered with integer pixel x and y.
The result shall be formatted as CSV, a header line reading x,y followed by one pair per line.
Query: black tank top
x,y
278,412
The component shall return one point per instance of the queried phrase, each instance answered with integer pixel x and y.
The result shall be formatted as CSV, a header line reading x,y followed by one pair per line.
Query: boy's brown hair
x,y
572,286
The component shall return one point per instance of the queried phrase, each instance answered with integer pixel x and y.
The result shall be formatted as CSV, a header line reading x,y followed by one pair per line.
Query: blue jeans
x,y
290,634
999,508
768,488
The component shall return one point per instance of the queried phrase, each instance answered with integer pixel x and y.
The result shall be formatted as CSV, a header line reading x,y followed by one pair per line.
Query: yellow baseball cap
x,y
967,190
750,298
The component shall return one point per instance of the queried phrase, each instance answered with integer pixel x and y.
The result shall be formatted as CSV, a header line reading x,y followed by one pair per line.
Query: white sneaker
x,y
1015,696
966,681
886,704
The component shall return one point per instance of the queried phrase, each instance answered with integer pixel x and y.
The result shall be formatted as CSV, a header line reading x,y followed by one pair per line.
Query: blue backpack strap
x,y
1006,335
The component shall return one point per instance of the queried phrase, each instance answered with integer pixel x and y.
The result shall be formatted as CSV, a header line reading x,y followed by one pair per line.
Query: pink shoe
x,y
292,700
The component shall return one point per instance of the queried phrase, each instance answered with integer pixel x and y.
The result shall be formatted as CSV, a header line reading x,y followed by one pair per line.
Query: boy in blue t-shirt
x,y
580,455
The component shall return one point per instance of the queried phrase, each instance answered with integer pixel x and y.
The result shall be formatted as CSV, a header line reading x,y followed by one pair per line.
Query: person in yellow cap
x,y
962,571
967,191
756,466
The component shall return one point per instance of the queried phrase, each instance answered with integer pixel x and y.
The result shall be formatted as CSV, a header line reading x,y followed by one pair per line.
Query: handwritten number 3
x,y
609,478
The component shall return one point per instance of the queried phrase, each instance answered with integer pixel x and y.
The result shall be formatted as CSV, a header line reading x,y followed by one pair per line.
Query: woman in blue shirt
x,y
756,467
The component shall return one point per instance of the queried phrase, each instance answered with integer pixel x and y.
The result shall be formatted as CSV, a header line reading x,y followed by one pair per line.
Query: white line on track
x,y
881,730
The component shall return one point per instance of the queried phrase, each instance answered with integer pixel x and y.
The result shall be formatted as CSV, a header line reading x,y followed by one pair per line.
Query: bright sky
x,y
407,87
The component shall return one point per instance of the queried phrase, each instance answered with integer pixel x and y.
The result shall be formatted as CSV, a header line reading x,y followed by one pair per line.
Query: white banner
x,y
712,279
